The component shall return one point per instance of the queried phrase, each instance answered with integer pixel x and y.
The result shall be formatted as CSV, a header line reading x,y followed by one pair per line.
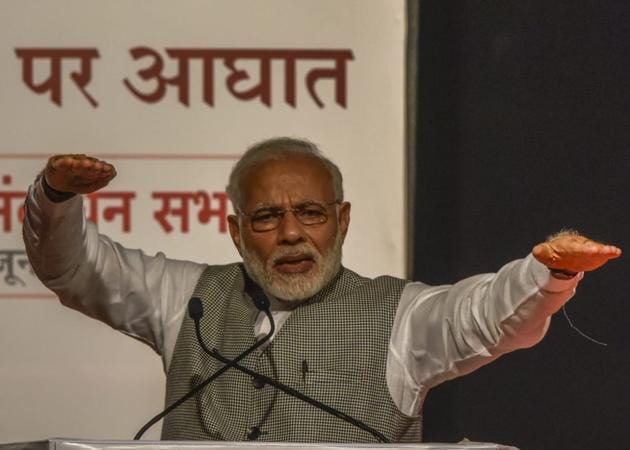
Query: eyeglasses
x,y
309,214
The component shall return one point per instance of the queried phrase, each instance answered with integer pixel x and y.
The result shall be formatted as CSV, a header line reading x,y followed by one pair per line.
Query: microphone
x,y
195,308
282,387
195,311
256,293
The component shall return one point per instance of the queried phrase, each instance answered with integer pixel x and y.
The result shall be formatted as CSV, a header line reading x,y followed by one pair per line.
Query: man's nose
x,y
290,230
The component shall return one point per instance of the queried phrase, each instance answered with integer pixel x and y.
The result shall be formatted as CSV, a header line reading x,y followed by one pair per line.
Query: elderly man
x,y
371,348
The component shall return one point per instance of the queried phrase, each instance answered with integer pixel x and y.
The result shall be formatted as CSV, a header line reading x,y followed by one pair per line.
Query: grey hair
x,y
277,149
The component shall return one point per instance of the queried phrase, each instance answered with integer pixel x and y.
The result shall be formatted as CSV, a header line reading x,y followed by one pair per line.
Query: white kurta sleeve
x,y
143,296
443,332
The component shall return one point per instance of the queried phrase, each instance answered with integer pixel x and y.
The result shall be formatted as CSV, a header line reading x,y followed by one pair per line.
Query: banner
x,y
172,94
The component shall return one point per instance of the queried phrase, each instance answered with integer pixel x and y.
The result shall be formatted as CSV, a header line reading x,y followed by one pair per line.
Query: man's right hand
x,y
79,174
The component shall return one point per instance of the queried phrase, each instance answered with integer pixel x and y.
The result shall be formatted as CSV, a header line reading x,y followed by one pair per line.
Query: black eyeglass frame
x,y
277,214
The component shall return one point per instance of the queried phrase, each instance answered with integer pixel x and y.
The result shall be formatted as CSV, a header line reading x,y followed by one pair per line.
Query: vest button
x,y
253,433
258,383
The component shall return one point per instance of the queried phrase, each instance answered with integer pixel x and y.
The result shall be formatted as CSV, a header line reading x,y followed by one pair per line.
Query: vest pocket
x,y
331,384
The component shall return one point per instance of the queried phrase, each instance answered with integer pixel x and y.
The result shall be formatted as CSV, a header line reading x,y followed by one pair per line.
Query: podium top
x,y
88,444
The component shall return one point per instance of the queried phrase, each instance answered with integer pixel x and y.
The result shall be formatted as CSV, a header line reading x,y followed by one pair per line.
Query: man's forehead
x,y
304,166
302,177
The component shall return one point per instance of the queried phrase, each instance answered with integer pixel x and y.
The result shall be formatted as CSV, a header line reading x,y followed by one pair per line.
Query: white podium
x,y
86,444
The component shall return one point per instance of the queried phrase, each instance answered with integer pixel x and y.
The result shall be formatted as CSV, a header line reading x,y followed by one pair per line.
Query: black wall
x,y
524,128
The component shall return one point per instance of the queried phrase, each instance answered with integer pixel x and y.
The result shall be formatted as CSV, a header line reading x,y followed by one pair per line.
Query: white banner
x,y
172,93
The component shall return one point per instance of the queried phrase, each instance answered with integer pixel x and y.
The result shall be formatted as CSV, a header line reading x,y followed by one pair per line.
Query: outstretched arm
x,y
138,294
442,332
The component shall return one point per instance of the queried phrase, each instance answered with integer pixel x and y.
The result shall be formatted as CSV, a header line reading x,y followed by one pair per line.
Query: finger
x,y
595,248
611,251
541,251
108,168
78,161
103,168
579,263
61,162
91,168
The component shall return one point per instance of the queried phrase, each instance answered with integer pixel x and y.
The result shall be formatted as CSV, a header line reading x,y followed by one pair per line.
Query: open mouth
x,y
294,263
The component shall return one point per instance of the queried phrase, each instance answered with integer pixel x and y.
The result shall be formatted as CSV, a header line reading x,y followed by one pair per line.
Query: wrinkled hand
x,y
80,174
572,252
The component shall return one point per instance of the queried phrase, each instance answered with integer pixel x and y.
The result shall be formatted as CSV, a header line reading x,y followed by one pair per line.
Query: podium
x,y
86,444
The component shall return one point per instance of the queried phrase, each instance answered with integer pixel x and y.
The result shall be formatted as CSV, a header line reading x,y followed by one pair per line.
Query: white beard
x,y
294,287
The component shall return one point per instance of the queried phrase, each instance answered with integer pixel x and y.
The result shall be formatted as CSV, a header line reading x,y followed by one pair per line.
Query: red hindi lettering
x,y
338,74
181,80
52,83
238,75
7,207
183,57
166,210
110,212
8,260
206,213
153,71
263,88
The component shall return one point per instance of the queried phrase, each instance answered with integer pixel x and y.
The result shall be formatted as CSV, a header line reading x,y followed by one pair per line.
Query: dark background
x,y
523,129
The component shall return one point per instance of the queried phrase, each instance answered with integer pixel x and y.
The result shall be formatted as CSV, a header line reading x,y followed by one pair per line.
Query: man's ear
x,y
235,231
344,218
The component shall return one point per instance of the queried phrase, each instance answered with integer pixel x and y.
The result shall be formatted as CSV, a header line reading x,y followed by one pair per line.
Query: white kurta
x,y
439,333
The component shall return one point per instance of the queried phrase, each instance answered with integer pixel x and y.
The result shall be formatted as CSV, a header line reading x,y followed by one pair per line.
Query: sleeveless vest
x,y
332,348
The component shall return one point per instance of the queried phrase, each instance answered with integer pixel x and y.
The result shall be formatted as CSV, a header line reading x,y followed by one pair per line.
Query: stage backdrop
x,y
172,93
523,131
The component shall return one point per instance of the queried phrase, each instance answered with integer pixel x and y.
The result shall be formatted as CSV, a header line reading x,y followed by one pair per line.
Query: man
x,y
370,348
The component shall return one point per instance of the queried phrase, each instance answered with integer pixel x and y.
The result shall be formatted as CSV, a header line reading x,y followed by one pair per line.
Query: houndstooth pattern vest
x,y
332,348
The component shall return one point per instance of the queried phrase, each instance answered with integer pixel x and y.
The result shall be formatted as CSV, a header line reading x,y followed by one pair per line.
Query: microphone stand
x,y
195,310
286,389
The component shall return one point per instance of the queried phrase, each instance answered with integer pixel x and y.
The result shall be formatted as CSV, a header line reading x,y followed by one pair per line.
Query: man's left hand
x,y
572,252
